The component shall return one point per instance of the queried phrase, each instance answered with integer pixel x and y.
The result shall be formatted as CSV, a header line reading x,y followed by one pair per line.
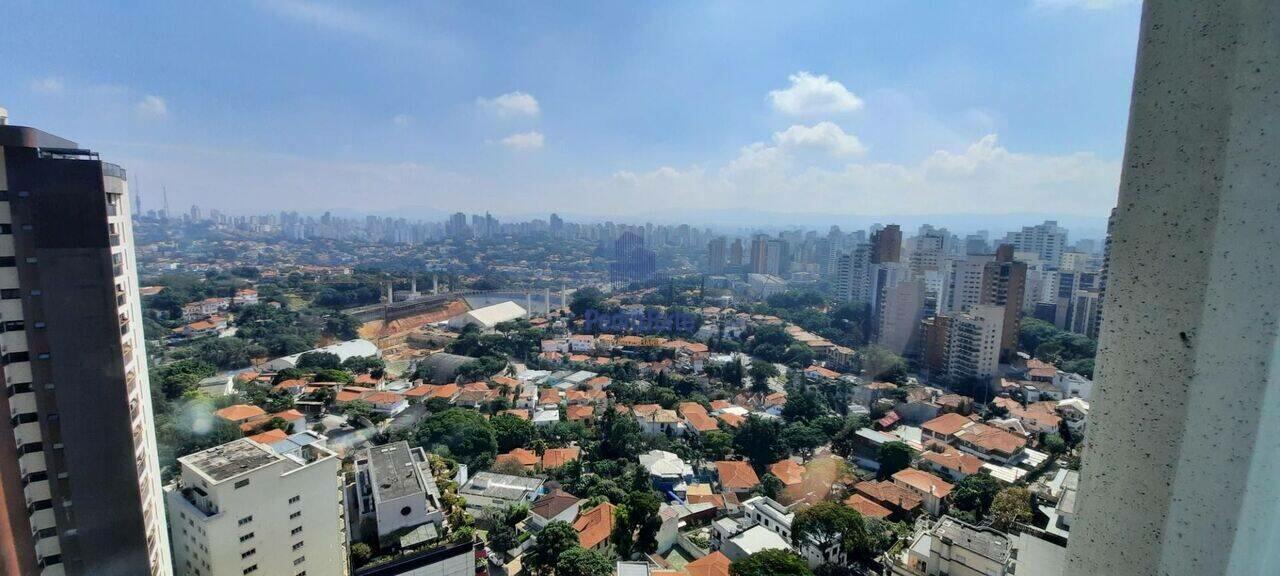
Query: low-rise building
x,y
396,492
245,508
490,489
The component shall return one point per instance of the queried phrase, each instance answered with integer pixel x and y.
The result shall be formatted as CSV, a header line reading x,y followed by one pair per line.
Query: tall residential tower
x,y
79,476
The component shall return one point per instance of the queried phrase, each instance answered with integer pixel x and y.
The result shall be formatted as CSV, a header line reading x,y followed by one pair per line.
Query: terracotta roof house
x,y
580,413
788,471
990,443
557,457
736,476
867,507
595,526
951,463
945,427
240,413
557,505
713,564
731,420
521,413
903,502
931,489
270,436
526,458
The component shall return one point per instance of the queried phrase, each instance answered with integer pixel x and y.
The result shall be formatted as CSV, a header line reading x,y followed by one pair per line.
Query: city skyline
x,y
849,120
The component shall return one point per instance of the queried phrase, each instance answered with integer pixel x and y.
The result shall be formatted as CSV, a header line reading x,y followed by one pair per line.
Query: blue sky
x,y
592,108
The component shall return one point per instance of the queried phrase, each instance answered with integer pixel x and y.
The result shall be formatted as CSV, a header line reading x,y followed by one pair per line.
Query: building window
x,y
8,261
295,531
242,484
295,515
250,570
246,520
298,545
246,537
299,560
249,553
10,294
295,499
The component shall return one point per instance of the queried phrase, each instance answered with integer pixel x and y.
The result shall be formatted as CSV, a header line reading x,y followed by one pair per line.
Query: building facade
x,y
81,427
243,508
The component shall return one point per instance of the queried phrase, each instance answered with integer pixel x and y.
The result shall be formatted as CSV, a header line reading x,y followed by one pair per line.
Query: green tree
x,y
845,441
828,524
772,562
894,456
1054,444
556,538
464,434
761,372
589,298
760,440
361,553
180,377
318,360
636,524
974,494
342,326
880,364
803,406
511,432
357,409
1010,507
620,436
579,561
803,439
715,445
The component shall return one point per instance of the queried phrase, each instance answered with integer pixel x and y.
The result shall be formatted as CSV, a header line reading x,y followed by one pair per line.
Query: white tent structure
x,y
489,316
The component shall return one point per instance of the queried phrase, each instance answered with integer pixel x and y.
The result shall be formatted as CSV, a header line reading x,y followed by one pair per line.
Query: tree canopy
x,y
771,562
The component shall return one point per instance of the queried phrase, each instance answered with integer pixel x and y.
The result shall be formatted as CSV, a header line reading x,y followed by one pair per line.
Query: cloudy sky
x,y
593,108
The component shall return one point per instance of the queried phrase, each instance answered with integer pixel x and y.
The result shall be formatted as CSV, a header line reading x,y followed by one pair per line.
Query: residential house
x,y
736,476
667,472
932,490
595,526
556,505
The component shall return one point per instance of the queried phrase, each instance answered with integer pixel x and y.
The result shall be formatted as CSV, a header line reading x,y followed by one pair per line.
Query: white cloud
x,y
798,145
823,136
49,85
810,95
327,16
1081,4
524,141
402,120
152,105
511,104
981,178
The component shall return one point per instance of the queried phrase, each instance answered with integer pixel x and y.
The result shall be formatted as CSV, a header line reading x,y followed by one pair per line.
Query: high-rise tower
x,y
75,369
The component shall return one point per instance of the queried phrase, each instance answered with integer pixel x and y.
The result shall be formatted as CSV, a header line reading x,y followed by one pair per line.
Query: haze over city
x,y
706,113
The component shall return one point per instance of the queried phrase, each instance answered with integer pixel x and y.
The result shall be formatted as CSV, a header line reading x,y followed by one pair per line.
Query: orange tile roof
x,y
887,492
599,381
557,457
581,412
947,424
381,398
346,396
867,507
272,435
505,381
713,564
788,471
992,439
701,422
476,387
289,414
687,407
923,482
952,459
292,383
595,525
736,474
549,396
520,413
720,404
732,420
645,409
519,455
240,412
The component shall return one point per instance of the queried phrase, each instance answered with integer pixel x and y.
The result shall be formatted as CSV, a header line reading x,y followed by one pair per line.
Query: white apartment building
x,y
1048,240
395,490
973,343
741,536
243,509
965,286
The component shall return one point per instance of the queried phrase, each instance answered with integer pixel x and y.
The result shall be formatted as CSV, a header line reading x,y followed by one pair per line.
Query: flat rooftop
x,y
982,541
394,471
231,459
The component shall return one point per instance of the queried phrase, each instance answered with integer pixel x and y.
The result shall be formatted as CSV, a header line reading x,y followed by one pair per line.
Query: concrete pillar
x,y
1180,477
